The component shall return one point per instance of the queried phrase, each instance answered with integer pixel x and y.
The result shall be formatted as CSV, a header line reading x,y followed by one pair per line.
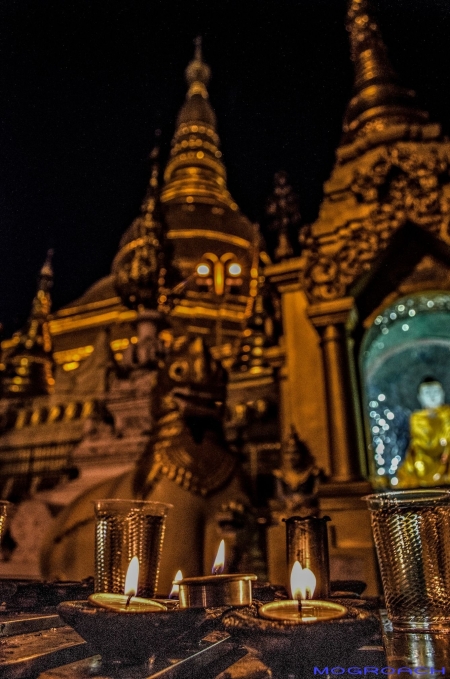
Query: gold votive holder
x,y
234,589
311,611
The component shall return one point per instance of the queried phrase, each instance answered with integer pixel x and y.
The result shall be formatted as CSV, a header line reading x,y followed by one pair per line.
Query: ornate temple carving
x,y
392,170
391,187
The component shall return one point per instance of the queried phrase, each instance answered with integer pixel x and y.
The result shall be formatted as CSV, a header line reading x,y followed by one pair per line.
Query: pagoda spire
x,y
28,365
379,100
195,172
142,267
283,219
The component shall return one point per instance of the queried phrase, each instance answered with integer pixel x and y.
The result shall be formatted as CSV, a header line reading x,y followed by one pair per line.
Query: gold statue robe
x,y
427,460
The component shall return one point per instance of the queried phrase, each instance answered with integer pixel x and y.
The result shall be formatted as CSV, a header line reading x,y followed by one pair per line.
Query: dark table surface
x,y
39,645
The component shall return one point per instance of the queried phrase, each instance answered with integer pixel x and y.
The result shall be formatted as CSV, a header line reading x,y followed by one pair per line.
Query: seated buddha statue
x,y
298,478
428,456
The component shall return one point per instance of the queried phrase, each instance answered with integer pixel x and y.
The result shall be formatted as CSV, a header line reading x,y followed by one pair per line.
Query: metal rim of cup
x,y
124,506
403,498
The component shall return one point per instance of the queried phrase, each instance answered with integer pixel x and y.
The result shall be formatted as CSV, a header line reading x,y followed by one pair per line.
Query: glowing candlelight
x,y
303,582
176,587
127,602
132,579
219,563
302,608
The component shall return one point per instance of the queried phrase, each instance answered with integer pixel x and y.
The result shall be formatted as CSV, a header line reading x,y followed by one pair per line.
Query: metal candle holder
x,y
233,589
307,542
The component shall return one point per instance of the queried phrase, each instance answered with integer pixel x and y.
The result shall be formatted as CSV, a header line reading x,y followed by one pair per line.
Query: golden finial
x,y
47,268
379,100
198,48
197,72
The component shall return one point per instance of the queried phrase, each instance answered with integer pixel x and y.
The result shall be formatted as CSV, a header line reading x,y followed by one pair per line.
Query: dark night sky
x,y
83,84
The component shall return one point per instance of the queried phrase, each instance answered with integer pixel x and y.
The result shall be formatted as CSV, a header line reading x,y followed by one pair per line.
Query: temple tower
x,y
213,242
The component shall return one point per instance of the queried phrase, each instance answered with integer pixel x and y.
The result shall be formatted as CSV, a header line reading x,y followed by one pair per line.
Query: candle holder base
x,y
287,646
132,638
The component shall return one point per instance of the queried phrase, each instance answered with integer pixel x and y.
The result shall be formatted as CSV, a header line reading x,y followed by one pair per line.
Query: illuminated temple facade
x,y
325,340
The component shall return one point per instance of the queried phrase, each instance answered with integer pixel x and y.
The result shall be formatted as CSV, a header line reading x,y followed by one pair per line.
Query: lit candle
x,y
218,589
127,602
219,561
302,608
174,592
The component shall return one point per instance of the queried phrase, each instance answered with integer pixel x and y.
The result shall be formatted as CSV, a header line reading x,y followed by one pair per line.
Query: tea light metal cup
x,y
234,589
127,529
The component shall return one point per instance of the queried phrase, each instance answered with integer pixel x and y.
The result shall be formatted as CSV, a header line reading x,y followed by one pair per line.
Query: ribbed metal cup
x,y
124,529
412,537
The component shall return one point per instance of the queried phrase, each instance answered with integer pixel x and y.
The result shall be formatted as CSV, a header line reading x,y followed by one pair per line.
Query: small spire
x,y
283,216
379,100
29,364
143,266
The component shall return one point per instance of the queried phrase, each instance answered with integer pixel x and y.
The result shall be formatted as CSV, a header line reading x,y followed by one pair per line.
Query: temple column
x,y
334,321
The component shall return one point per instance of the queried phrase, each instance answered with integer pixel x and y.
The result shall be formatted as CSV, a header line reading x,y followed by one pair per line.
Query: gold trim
x,y
120,344
237,381
203,312
73,355
9,343
211,235
86,307
57,327
190,160
129,247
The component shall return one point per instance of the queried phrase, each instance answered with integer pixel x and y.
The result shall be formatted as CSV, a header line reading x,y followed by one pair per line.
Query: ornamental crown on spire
x,y
198,73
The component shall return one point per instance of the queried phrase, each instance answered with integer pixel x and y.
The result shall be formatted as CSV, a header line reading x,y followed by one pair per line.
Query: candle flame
x,y
219,563
303,582
132,578
176,588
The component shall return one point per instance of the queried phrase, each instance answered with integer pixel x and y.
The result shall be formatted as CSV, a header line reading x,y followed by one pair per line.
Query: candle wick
x,y
299,605
130,596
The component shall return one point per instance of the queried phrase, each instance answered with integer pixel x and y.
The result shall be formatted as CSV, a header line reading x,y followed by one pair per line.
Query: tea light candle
x,y
233,589
302,609
127,602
